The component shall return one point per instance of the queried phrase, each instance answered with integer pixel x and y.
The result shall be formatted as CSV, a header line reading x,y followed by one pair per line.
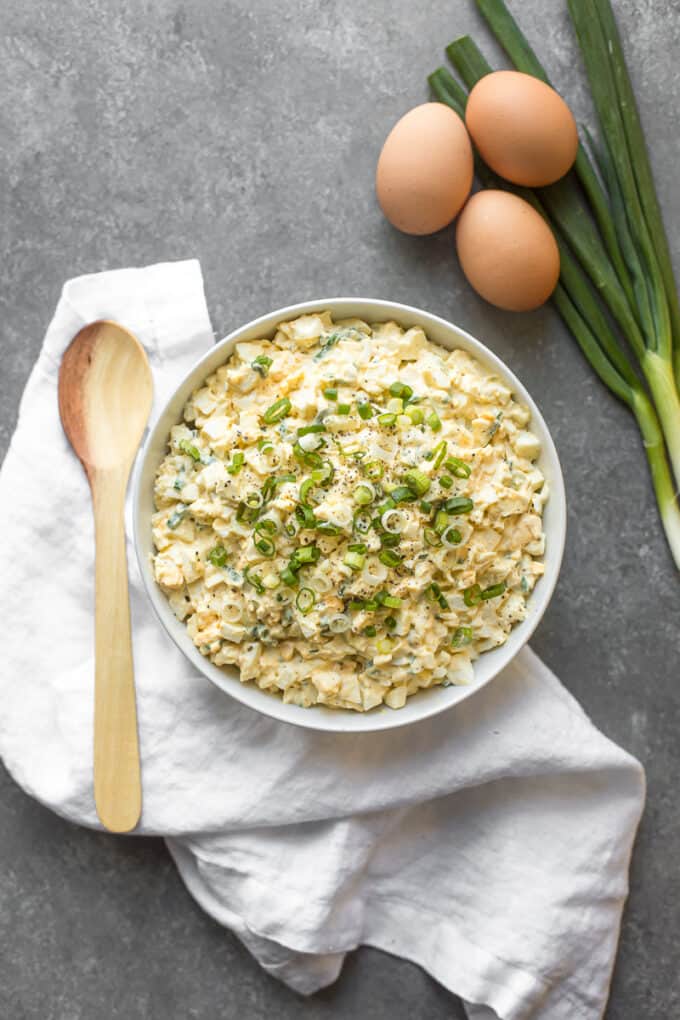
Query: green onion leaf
x,y
425,506
266,547
387,419
416,415
266,527
389,540
434,421
458,467
255,580
188,448
305,600
438,454
418,481
261,364
308,430
363,495
326,528
390,558
365,411
305,488
289,577
431,537
237,462
370,631
390,622
218,556
493,591
472,596
403,494
400,389
374,470
354,560
458,505
361,522
305,515
462,636
305,554
446,481
278,410
307,457
343,409
330,393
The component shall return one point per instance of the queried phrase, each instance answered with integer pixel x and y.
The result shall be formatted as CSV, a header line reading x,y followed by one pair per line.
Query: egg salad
x,y
349,513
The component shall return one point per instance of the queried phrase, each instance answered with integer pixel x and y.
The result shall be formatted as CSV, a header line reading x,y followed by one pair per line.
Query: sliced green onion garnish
x,y
370,631
343,409
434,421
289,577
446,481
266,547
388,539
362,521
390,622
331,393
188,448
374,470
308,457
356,605
395,405
451,536
425,506
254,579
493,591
458,505
390,601
305,600
400,389
441,521
354,560
462,636
272,482
458,467
291,528
266,527
358,547
278,410
431,537
305,554
364,494
254,500
305,515
305,488
261,364
418,481
404,494
384,646
387,419
218,556
365,411
390,558
324,474
246,513
176,518
326,528
472,596
438,454
415,414
237,462
308,430
264,444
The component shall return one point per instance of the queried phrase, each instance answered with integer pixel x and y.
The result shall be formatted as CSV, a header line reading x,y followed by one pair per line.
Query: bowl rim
x,y
317,717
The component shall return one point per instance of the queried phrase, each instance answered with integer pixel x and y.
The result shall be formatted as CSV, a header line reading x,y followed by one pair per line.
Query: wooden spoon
x,y
105,392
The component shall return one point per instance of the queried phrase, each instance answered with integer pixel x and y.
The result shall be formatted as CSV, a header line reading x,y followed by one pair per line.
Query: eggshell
x,y
424,172
507,251
522,128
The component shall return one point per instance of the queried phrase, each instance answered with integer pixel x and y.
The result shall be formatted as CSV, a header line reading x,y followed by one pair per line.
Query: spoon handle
x,y
117,779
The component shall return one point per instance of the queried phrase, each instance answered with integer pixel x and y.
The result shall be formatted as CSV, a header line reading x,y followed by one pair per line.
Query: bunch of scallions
x,y
616,291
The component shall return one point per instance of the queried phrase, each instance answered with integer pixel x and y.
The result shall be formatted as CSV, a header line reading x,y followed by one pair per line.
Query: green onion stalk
x,y
615,272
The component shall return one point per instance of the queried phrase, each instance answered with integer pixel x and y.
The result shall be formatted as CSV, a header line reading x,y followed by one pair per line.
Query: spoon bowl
x,y
105,394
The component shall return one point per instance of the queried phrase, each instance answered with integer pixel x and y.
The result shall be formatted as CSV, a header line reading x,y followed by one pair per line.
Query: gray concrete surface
x,y
246,133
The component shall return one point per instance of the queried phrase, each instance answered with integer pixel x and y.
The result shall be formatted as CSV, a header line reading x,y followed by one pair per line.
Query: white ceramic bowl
x,y
427,702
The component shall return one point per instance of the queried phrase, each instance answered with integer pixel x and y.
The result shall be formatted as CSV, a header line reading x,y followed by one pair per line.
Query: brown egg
x,y
507,251
424,172
522,128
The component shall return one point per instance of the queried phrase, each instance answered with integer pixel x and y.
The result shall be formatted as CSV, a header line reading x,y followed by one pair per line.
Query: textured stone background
x,y
246,133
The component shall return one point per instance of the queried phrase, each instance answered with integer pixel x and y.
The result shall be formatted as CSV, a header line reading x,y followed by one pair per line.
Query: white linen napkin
x,y
490,845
